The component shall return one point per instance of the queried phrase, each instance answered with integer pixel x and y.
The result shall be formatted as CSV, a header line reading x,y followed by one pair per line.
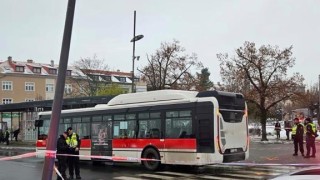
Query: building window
x,y
49,88
122,79
106,78
68,88
29,86
7,101
94,77
52,71
68,73
29,100
19,69
7,85
36,70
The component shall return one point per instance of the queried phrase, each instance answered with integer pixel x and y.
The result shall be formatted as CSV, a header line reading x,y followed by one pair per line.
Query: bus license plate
x,y
233,150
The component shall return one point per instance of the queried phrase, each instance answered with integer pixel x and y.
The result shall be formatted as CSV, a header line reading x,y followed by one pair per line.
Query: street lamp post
x,y
319,102
133,40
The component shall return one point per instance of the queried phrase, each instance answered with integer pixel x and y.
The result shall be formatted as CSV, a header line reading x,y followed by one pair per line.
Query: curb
x,y
17,148
272,142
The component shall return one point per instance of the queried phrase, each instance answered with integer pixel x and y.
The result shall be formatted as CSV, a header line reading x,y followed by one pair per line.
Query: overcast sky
x,y
33,29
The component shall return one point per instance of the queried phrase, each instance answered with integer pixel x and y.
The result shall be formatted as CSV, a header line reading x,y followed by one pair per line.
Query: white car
x,y
305,174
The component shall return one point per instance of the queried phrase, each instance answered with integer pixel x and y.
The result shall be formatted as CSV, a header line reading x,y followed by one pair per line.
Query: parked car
x,y
304,173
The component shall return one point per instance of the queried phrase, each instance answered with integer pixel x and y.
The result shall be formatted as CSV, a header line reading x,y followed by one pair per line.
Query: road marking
x,y
249,176
174,173
272,158
215,177
126,178
155,176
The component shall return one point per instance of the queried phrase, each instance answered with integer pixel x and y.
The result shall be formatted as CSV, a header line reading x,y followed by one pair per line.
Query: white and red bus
x,y
173,126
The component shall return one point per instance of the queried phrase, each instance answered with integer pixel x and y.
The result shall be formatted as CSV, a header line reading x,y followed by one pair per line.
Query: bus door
x,y
204,124
232,131
101,135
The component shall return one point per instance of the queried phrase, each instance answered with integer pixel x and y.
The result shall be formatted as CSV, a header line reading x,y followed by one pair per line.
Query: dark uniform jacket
x,y
62,146
310,132
300,132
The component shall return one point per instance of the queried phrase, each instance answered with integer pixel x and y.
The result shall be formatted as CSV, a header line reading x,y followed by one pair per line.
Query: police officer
x,y
311,135
62,148
73,161
297,136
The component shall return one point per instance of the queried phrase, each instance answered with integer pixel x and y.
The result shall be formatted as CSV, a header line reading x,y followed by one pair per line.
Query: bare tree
x,y
87,76
169,66
261,75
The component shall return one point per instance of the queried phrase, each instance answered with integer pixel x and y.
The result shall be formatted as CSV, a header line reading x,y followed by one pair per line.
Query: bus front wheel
x,y
151,159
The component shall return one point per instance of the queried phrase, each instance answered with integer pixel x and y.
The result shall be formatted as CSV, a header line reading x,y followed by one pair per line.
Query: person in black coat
x,y
297,136
16,133
6,136
311,134
62,148
277,128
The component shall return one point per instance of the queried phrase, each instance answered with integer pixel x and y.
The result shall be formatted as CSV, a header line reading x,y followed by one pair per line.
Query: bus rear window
x,y
232,116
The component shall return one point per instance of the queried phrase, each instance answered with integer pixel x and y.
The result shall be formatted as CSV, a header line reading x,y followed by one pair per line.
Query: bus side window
x,y
142,134
86,137
155,133
175,133
183,134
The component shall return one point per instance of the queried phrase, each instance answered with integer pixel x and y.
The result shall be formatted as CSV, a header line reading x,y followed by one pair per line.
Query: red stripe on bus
x,y
140,143
163,144
85,143
41,143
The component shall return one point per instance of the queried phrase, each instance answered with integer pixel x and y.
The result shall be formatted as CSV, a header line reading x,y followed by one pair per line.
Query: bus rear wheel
x,y
151,153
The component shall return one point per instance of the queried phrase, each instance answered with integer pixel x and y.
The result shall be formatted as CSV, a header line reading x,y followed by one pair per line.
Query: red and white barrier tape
x,y
58,173
52,154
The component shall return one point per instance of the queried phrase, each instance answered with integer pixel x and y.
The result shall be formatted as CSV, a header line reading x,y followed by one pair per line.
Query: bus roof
x,y
152,96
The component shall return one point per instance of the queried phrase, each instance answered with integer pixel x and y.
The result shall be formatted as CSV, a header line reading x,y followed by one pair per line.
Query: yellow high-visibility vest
x,y
72,142
313,127
294,129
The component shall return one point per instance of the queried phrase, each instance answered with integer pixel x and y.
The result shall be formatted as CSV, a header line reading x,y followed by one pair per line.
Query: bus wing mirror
x,y
38,123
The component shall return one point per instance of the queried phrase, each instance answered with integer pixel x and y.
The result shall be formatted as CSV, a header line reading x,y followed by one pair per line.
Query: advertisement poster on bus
x,y
101,138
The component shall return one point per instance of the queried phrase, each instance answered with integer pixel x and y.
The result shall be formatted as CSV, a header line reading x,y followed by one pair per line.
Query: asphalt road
x,y
266,161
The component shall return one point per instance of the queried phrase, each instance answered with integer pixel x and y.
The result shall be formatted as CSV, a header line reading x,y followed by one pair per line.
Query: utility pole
x,y
319,102
58,96
133,40
133,51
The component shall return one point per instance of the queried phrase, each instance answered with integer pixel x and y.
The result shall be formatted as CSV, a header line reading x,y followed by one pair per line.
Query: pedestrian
x,y
6,136
16,133
311,135
1,136
277,128
297,136
62,148
287,127
73,161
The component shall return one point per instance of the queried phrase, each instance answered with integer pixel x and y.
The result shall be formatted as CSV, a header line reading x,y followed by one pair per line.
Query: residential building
x,y
23,81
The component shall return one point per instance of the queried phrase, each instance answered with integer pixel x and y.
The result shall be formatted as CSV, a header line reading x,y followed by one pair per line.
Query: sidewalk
x,y
19,145
273,140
